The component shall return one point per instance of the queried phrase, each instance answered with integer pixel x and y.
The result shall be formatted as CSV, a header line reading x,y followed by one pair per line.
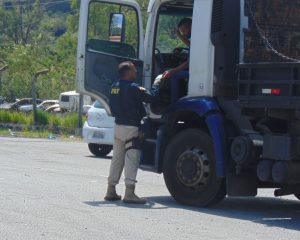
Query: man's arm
x,y
171,72
142,95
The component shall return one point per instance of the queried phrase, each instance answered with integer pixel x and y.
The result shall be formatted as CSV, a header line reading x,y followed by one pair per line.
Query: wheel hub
x,y
193,168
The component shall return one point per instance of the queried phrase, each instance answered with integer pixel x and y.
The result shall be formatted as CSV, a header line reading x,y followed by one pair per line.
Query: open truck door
x,y
110,32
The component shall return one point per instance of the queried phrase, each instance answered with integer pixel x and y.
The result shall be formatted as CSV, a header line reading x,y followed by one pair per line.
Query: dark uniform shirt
x,y
126,102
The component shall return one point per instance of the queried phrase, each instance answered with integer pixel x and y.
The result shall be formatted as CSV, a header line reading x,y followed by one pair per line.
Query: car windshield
x,y
97,104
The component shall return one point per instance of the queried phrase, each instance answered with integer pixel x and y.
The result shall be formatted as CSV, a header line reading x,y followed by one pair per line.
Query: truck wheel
x,y
190,169
99,150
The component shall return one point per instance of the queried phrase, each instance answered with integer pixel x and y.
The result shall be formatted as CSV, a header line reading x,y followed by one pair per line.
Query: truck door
x,y
110,32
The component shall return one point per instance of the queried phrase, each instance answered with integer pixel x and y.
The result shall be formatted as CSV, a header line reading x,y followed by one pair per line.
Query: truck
x,y
69,101
236,127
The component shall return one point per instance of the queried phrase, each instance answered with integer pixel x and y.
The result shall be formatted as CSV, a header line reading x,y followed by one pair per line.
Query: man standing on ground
x,y
126,104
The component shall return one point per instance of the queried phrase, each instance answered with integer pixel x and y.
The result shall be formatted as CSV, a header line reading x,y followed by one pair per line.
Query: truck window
x,y
169,50
100,37
166,39
65,98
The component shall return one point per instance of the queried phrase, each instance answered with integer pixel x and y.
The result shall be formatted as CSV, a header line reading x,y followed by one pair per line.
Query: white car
x,y
42,106
98,130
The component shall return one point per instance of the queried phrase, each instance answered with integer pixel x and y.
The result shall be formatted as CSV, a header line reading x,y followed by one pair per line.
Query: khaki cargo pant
x,y
128,160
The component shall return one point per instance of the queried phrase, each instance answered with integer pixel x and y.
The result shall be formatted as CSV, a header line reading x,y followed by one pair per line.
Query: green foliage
x,y
55,121
42,118
20,118
32,39
29,42
5,117
70,121
20,23
15,117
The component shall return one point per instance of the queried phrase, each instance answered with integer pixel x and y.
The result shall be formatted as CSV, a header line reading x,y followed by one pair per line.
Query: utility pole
x,y
2,69
33,92
80,113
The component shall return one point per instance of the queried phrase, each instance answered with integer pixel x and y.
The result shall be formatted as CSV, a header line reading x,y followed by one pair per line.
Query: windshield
x,y
166,39
273,32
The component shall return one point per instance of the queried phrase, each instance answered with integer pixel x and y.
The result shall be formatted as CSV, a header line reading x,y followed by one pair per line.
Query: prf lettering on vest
x,y
115,90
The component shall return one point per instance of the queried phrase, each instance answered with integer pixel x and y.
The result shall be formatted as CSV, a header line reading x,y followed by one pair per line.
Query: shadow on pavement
x,y
149,205
272,212
106,157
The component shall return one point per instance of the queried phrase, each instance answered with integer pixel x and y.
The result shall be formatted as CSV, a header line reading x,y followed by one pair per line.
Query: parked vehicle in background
x,y
86,108
98,130
69,101
54,108
46,104
22,102
42,106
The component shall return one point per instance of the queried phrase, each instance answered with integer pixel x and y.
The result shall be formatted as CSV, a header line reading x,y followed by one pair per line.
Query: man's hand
x,y
157,82
168,74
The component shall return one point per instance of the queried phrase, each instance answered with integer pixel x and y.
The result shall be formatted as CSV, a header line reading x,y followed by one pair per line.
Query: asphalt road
x,y
55,190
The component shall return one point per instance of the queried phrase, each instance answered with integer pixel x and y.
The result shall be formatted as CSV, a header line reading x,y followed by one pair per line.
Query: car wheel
x,y
100,150
190,169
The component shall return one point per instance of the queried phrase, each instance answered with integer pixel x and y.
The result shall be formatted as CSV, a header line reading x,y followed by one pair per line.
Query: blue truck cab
x,y
236,127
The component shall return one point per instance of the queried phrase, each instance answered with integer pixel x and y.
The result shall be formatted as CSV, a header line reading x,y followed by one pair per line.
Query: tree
x,y
21,21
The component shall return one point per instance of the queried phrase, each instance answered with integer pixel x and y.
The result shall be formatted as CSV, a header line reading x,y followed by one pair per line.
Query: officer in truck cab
x,y
127,106
181,72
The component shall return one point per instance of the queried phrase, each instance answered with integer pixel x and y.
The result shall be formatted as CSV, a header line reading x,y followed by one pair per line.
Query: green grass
x,y
68,121
37,134
50,123
15,117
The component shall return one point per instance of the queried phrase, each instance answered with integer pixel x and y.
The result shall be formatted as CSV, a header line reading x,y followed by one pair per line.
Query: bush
x,y
70,121
5,117
42,118
17,117
55,121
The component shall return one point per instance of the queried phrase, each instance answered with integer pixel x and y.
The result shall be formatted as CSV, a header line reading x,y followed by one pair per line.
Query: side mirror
x,y
117,27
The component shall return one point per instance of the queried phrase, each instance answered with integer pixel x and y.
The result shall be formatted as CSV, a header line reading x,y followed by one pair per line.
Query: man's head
x,y
127,71
185,27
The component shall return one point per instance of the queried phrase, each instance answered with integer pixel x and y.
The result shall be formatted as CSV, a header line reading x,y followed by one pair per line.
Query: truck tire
x,y
190,169
99,150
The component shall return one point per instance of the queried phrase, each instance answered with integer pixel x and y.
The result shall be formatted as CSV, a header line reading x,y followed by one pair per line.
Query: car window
x,y
97,104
